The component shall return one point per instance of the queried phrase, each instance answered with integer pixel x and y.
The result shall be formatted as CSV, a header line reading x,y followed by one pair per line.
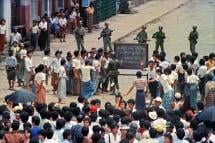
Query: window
x,y
59,5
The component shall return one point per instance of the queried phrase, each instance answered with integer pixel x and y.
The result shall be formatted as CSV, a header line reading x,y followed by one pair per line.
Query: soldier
x,y
106,35
79,36
142,36
159,37
193,36
113,72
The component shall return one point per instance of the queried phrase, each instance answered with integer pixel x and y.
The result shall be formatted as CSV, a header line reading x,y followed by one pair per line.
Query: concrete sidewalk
x,y
123,24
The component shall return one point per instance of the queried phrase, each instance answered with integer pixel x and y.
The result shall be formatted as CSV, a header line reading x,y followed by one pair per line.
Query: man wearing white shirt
x,y
43,37
113,137
28,70
15,36
62,23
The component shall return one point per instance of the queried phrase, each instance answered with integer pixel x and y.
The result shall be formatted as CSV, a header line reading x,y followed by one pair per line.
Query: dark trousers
x,y
34,40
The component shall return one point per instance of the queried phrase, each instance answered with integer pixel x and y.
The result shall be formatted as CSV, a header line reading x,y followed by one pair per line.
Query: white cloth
x,y
202,71
85,71
109,138
50,141
35,29
164,64
55,65
76,63
62,72
28,64
43,25
46,61
193,79
165,83
173,77
3,29
16,37
152,75
39,77
58,135
62,21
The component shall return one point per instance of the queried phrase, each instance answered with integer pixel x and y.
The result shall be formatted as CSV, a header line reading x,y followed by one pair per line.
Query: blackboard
x,y
131,55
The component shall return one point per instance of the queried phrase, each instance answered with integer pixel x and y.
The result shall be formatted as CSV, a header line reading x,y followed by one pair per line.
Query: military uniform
x,y
113,72
142,37
159,36
193,36
79,36
106,34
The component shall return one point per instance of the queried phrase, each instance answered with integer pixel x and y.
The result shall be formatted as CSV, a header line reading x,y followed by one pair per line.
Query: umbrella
x,y
21,96
208,114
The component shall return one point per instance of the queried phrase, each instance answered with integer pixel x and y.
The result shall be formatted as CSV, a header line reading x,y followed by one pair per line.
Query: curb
x,y
152,21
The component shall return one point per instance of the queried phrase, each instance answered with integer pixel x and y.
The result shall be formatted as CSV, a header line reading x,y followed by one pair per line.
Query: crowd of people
x,y
172,115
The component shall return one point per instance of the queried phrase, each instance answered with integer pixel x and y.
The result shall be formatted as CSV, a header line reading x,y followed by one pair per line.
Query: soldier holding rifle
x,y
106,35
142,36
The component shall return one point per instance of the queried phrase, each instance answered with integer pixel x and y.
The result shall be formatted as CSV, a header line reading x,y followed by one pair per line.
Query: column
x,y
25,8
7,15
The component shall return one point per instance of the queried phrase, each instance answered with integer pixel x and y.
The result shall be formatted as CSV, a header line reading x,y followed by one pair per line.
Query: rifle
x,y
105,34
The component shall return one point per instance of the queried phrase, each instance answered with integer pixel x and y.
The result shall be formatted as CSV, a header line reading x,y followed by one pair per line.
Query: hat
x,y
21,45
124,127
93,109
158,99
169,124
153,115
177,95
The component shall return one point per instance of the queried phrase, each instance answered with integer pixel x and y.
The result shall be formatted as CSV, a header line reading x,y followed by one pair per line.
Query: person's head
x,y
157,101
15,125
58,54
76,53
114,127
24,116
211,56
67,134
42,135
85,131
118,98
130,136
143,28
153,133
15,43
197,136
35,120
62,62
46,52
189,71
3,21
96,129
41,68
194,28
106,24
169,127
122,104
151,64
139,74
60,123
47,125
172,67
200,106
29,53
131,103
168,138
176,59
49,133
160,28
10,53
180,133
80,118
87,121
96,137
43,19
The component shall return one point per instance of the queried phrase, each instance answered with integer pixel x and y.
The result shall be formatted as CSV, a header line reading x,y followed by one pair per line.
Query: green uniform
x,y
79,36
106,34
113,72
159,36
193,40
142,37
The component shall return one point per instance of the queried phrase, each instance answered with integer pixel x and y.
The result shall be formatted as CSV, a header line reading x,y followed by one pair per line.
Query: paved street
x,y
176,16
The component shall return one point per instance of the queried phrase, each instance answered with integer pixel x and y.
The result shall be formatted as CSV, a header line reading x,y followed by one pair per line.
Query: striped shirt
x,y
139,83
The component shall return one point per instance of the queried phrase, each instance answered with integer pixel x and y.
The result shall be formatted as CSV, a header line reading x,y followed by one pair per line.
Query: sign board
x,y
131,55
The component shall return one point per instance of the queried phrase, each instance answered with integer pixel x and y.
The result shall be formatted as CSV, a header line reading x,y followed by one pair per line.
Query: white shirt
x,y
62,21
50,141
76,63
173,77
109,138
3,29
165,83
86,70
46,61
28,64
202,71
62,72
151,74
55,65
35,29
16,37
164,64
193,79
39,77
43,25
58,135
